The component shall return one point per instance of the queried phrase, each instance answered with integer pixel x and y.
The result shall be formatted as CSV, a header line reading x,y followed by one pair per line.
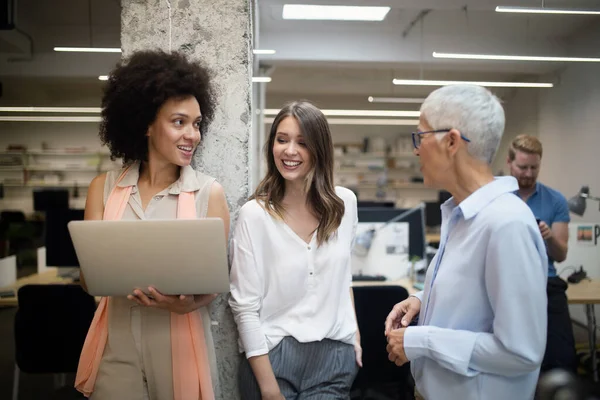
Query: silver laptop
x,y
173,256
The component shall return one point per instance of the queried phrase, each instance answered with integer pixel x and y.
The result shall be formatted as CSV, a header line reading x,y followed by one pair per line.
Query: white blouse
x,y
282,286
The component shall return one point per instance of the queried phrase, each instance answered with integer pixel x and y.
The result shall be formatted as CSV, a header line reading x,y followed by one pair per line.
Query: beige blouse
x,y
139,337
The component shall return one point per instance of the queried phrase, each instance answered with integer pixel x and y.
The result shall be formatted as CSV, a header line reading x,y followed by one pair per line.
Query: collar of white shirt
x,y
483,196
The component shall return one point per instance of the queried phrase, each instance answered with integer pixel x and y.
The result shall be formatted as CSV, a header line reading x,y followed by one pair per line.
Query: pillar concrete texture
x,y
219,34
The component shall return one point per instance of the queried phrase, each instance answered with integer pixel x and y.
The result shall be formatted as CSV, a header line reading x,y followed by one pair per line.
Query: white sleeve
x,y
246,285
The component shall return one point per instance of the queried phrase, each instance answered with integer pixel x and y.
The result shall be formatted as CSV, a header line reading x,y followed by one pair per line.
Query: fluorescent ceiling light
x,y
338,13
499,57
419,82
103,77
543,10
364,121
358,113
403,100
263,79
263,51
89,49
49,119
51,109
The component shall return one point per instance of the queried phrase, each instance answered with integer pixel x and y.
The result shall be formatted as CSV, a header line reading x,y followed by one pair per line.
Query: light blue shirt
x,y
550,206
482,327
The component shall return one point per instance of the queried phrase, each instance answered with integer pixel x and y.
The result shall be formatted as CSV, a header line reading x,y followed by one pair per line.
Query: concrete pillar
x,y
218,33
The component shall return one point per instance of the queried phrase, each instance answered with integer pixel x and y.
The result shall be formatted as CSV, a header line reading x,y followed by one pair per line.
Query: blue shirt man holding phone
x,y
552,212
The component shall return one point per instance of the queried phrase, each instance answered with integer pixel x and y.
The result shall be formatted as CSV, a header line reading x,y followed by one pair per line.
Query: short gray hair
x,y
471,109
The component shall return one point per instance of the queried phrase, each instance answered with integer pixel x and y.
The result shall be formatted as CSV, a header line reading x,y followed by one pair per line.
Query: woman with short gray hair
x,y
476,336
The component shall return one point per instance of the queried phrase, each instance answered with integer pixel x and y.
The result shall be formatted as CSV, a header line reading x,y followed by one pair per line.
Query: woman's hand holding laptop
x,y
181,304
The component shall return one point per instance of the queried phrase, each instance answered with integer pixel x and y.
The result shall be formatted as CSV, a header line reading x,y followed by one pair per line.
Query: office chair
x,y
17,235
7,218
51,324
379,378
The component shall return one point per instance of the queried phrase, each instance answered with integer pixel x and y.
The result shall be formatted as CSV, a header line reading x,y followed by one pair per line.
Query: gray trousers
x,y
322,370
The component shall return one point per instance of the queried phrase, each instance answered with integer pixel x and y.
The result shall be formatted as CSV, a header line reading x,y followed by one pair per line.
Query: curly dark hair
x,y
138,87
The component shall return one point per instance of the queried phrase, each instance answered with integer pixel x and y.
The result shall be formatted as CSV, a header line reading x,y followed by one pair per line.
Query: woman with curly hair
x,y
155,107
290,273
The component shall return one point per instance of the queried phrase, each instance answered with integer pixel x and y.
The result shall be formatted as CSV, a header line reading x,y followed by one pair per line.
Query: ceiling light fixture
x,y
420,82
499,57
48,119
544,10
103,77
364,121
402,100
261,79
51,109
357,113
263,51
334,13
89,49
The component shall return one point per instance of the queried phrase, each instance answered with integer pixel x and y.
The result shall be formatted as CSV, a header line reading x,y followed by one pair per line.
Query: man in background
x,y
552,213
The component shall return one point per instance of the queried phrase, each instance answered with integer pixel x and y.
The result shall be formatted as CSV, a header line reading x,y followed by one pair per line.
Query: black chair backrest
x,y
12,216
50,327
8,217
373,304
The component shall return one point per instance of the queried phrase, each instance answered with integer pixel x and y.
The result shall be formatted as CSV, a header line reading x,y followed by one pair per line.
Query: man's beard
x,y
526,183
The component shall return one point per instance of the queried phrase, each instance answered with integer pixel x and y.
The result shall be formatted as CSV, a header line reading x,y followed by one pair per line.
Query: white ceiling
x,y
328,58
321,57
451,26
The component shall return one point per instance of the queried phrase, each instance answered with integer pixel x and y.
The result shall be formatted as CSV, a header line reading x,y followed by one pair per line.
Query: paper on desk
x,y
8,271
388,255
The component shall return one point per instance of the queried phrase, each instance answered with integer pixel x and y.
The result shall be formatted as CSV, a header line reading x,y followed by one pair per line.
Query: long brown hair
x,y
321,197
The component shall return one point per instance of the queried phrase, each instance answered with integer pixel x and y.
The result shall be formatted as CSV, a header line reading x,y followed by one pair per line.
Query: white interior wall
x,y
569,125
521,108
569,121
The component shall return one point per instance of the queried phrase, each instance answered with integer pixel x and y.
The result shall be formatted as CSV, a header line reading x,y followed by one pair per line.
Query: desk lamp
x,y
577,203
364,240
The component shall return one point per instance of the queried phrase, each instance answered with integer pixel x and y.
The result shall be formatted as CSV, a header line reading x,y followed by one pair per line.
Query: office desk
x,y
587,292
432,237
45,278
404,282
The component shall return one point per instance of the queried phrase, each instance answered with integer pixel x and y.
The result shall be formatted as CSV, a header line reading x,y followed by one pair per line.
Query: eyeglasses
x,y
418,136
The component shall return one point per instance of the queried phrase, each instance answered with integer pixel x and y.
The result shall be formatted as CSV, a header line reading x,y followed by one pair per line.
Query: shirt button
x,y
310,273
157,198
309,247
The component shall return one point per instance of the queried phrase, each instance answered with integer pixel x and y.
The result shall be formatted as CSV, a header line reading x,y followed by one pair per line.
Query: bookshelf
x,y
52,168
386,172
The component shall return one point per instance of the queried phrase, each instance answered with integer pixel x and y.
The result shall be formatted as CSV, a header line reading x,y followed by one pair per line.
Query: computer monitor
x,y
416,225
59,246
50,199
370,204
443,196
433,214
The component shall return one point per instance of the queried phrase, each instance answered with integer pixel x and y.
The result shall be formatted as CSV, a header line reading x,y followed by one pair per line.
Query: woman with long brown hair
x,y
290,275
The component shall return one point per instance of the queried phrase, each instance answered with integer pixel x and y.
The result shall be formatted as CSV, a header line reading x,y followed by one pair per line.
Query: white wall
x,y
521,108
569,128
569,125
